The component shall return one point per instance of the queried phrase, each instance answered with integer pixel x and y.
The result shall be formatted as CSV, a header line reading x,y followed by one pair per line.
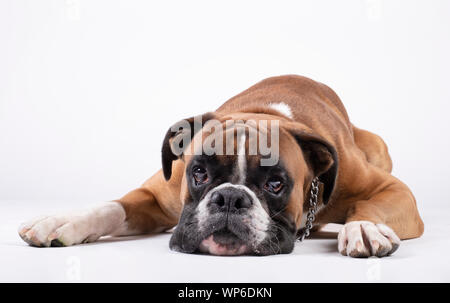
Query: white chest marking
x,y
282,108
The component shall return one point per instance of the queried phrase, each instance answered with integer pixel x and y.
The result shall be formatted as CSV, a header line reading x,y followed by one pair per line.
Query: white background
x,y
88,88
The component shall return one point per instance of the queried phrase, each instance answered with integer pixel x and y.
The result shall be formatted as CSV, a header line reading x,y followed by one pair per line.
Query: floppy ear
x,y
181,132
322,159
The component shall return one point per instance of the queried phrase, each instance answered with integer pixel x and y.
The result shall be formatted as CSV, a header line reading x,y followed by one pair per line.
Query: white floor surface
x,y
148,258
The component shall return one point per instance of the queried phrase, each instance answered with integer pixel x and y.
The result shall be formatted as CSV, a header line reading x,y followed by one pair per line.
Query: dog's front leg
x,y
152,208
74,227
375,226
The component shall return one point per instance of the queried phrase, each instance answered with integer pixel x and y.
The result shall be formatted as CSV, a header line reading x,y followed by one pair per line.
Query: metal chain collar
x,y
311,216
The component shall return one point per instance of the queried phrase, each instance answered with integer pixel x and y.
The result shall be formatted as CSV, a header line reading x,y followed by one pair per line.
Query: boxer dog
x,y
239,199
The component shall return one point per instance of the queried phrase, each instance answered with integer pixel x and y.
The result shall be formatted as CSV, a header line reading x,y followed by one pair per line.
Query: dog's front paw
x,y
74,228
364,239
62,230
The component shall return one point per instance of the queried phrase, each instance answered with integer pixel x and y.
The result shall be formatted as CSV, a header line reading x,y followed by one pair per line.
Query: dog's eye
x,y
274,185
200,175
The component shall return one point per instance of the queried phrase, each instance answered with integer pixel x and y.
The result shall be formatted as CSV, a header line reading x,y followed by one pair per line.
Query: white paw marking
x,y
365,239
74,228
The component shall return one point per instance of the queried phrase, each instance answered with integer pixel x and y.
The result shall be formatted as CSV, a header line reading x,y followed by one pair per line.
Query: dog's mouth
x,y
223,243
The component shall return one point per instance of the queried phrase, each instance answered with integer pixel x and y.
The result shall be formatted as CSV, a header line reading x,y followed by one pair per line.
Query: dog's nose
x,y
229,199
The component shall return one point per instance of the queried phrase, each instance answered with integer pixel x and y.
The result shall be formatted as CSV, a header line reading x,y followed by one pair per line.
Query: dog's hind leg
x,y
374,148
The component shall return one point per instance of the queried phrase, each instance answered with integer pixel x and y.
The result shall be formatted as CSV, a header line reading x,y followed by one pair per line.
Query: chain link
x,y
311,216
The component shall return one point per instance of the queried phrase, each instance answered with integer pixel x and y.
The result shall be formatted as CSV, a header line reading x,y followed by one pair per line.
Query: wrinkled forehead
x,y
248,143
258,139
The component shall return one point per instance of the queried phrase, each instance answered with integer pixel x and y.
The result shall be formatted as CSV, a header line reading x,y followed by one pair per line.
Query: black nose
x,y
231,199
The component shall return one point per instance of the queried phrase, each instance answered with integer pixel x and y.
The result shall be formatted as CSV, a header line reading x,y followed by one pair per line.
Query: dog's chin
x,y
223,243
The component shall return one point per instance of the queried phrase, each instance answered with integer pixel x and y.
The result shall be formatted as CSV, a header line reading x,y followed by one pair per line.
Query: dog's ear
x,y
177,138
321,157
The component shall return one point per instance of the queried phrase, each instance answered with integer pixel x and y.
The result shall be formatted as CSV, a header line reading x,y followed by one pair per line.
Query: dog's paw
x,y
74,228
362,239
58,230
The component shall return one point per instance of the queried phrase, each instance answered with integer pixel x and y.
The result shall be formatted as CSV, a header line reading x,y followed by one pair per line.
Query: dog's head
x,y
245,181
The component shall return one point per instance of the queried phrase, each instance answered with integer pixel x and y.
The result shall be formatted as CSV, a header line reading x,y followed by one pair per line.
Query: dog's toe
x,y
74,227
361,239
53,231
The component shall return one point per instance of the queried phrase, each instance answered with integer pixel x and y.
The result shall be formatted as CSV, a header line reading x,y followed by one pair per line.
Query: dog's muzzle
x,y
227,201
233,220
